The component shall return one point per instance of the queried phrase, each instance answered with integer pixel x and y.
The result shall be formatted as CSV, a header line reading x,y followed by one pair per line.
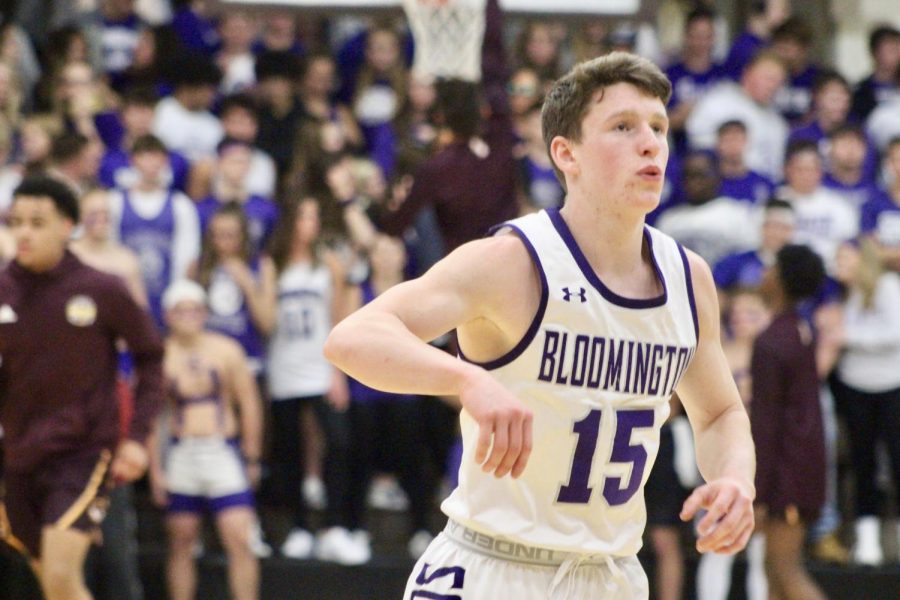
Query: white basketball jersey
x,y
297,367
597,370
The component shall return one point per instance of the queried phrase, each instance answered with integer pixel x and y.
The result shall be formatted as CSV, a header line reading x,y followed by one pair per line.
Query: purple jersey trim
x,y
221,503
538,317
184,503
690,291
591,276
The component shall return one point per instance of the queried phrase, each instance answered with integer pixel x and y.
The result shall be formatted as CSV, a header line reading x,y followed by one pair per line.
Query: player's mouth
x,y
650,173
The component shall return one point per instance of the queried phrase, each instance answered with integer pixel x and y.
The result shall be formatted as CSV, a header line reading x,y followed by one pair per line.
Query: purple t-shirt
x,y
261,213
881,217
743,269
752,187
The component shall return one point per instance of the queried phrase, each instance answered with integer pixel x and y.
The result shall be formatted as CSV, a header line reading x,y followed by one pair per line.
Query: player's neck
x,y
188,341
612,242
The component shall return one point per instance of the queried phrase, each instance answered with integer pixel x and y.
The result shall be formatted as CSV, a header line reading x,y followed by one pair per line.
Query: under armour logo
x,y
582,294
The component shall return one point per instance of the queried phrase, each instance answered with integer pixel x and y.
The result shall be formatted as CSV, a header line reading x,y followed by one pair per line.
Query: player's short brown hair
x,y
568,102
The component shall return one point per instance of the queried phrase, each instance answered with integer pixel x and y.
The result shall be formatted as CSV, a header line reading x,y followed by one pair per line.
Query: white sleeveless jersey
x,y
296,364
597,370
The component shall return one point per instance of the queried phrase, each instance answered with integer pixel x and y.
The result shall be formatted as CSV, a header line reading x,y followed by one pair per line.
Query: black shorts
x,y
664,494
68,493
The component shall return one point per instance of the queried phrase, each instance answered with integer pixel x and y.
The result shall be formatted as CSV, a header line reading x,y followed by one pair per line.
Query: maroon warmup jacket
x,y
58,333
786,418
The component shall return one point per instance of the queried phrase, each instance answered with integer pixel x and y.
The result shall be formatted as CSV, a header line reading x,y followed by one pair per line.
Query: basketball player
x,y
206,465
575,326
59,322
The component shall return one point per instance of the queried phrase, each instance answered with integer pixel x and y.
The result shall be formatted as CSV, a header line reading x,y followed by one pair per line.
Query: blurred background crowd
x,y
295,166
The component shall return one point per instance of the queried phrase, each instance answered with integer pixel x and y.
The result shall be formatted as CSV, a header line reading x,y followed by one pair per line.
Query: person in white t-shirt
x,y
751,103
822,218
183,121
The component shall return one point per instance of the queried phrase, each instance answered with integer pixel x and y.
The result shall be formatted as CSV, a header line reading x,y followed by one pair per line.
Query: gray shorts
x,y
452,568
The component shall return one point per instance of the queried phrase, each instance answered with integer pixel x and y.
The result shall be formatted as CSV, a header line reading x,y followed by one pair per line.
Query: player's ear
x,y
562,152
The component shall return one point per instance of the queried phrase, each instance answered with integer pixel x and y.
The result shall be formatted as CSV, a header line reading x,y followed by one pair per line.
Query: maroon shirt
x,y
58,333
786,419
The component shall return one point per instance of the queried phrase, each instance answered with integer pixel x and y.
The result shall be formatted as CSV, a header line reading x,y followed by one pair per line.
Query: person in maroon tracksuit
x,y
59,322
786,421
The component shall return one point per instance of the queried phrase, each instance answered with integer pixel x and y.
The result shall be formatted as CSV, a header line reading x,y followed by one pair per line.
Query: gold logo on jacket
x,y
81,311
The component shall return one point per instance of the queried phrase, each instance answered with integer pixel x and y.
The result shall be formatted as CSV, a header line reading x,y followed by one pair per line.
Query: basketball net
x,y
448,36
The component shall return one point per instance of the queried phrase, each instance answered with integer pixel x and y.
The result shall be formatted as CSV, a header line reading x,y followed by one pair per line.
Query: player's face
x,y
186,318
623,150
40,231
848,151
700,37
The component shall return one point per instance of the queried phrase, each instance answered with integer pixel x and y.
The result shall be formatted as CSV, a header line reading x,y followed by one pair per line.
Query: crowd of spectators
x,y
256,153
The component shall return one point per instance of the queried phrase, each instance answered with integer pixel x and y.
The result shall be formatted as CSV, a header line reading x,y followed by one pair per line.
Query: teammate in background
x,y
786,412
561,407
64,451
213,461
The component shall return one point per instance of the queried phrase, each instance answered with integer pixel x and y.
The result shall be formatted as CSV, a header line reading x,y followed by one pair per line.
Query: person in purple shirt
x,y
792,41
229,185
738,180
60,322
786,421
745,269
136,120
881,85
694,73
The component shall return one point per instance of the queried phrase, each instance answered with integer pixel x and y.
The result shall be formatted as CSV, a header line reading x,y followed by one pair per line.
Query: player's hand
x,y
728,523
503,420
130,461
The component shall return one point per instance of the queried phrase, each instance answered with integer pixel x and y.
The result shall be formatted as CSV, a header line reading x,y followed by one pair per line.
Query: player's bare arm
x,y
489,291
725,452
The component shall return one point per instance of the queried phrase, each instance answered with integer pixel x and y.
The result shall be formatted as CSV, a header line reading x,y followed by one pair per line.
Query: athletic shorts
x,y
67,493
205,473
453,568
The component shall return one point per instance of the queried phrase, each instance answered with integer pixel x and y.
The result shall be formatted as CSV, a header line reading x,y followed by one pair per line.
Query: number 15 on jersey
x,y
615,491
